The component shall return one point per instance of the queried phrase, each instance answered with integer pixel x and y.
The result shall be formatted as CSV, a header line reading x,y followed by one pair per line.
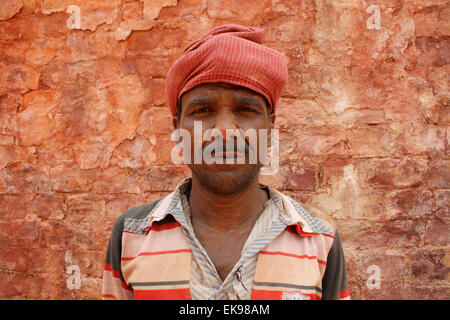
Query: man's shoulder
x,y
135,213
319,214
313,219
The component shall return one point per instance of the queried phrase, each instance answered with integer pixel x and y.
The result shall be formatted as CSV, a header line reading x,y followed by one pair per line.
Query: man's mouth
x,y
228,154
231,152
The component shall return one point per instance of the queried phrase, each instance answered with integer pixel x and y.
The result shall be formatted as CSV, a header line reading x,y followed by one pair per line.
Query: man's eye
x,y
201,110
246,109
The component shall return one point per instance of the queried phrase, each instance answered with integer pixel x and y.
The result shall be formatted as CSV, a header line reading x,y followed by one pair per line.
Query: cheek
x,y
257,122
252,124
189,123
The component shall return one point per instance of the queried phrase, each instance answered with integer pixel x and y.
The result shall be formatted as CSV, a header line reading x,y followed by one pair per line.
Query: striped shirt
x,y
205,282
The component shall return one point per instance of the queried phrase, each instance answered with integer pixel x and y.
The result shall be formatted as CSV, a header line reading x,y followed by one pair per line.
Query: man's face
x,y
223,106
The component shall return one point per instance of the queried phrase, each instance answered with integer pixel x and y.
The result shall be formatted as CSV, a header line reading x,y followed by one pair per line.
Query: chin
x,y
225,178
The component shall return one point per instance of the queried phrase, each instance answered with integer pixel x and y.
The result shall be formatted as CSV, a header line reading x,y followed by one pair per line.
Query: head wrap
x,y
233,54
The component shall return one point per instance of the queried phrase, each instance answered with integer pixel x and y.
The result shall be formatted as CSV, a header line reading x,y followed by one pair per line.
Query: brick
x,y
19,234
90,262
230,9
19,285
151,64
190,8
23,178
426,21
18,77
13,259
152,9
155,93
372,141
395,233
83,207
81,47
298,176
414,203
90,289
136,153
35,121
443,26
82,116
92,14
439,174
12,207
436,232
10,8
396,173
46,260
292,176
300,196
55,235
428,266
294,113
71,179
155,121
22,27
9,104
164,178
93,153
163,155
426,140
116,180
72,236
54,286
114,207
422,292
391,263
142,42
442,203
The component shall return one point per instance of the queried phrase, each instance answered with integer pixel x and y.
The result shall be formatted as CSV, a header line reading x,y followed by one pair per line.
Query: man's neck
x,y
226,213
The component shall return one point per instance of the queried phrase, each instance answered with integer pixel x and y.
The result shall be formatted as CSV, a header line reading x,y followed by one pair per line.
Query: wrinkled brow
x,y
198,101
250,101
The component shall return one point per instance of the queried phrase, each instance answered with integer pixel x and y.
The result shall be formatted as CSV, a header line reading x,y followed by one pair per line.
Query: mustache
x,y
231,146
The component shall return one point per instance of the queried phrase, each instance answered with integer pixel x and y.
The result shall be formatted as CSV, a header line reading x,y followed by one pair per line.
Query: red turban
x,y
233,54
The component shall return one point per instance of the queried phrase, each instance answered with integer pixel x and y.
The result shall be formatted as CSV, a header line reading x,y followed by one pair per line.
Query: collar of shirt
x,y
289,212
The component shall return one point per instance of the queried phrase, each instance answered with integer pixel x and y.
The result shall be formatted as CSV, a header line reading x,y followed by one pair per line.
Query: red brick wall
x,y
85,132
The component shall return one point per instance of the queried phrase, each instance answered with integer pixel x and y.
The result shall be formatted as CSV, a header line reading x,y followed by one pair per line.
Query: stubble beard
x,y
225,182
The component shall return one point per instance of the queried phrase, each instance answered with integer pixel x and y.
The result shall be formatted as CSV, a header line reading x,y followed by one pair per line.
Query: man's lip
x,y
228,154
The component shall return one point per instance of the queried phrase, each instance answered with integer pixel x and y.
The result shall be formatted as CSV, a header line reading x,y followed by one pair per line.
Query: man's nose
x,y
225,119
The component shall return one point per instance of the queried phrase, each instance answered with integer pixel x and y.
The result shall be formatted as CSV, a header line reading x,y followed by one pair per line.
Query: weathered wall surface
x,y
85,132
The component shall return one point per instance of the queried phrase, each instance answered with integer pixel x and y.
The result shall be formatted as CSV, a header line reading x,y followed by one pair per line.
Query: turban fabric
x,y
232,54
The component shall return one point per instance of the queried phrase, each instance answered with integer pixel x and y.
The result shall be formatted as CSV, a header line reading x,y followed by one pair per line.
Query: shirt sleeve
x,y
114,285
334,282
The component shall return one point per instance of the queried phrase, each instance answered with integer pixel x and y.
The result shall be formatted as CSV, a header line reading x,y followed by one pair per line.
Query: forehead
x,y
208,89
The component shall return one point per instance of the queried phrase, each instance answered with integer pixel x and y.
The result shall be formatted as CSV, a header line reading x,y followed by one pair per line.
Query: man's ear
x,y
175,122
176,118
272,119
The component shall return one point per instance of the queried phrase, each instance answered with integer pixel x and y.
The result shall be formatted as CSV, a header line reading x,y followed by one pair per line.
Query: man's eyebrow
x,y
198,101
251,101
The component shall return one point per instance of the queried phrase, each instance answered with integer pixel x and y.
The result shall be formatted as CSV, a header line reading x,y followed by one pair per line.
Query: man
x,y
221,234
